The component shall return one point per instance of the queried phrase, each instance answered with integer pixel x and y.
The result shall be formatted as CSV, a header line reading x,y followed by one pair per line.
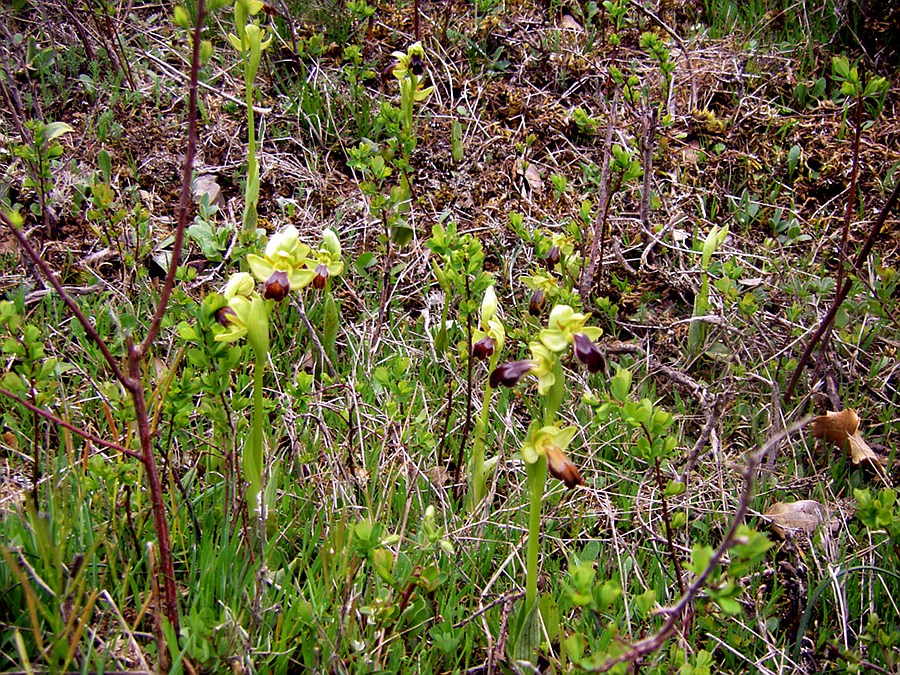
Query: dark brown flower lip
x,y
321,277
509,374
224,316
484,348
553,257
416,65
562,468
589,353
277,286
537,302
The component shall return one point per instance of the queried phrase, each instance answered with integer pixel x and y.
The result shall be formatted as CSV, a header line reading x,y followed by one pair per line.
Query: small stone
x,y
205,184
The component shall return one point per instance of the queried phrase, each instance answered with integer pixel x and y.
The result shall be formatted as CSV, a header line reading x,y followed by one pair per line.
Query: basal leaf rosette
x,y
551,441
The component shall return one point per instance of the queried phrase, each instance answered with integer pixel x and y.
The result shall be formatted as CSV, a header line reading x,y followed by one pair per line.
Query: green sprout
x,y
698,329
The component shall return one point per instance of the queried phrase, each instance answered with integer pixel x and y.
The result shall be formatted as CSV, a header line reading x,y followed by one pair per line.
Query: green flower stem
x,y
555,395
537,476
478,486
408,100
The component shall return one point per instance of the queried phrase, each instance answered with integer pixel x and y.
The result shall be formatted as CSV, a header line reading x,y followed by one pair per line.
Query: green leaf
x,y
56,129
840,67
620,385
104,161
528,638
181,17
187,332
700,557
364,261
729,606
674,488
14,347
550,616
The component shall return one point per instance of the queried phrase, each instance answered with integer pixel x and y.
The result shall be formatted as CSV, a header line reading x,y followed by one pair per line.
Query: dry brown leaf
x,y
842,429
836,427
533,176
805,515
861,452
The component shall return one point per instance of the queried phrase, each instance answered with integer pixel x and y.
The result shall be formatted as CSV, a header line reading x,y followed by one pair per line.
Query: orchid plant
x,y
287,265
544,447
487,344
409,68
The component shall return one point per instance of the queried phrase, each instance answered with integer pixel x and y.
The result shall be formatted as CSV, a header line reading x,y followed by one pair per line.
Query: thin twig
x,y
512,597
677,38
845,290
604,194
34,296
69,302
186,202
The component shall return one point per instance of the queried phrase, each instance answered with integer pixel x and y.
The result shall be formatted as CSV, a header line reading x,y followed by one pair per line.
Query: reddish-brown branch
x,y
132,380
851,197
66,298
184,206
142,419
87,435
605,196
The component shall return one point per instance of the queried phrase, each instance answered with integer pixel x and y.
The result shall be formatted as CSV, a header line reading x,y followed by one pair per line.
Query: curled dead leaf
x,y
805,515
861,452
842,429
568,21
836,427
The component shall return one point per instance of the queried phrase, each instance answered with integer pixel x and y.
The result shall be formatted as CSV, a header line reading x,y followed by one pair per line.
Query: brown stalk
x,y
605,196
131,378
647,138
386,289
667,522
